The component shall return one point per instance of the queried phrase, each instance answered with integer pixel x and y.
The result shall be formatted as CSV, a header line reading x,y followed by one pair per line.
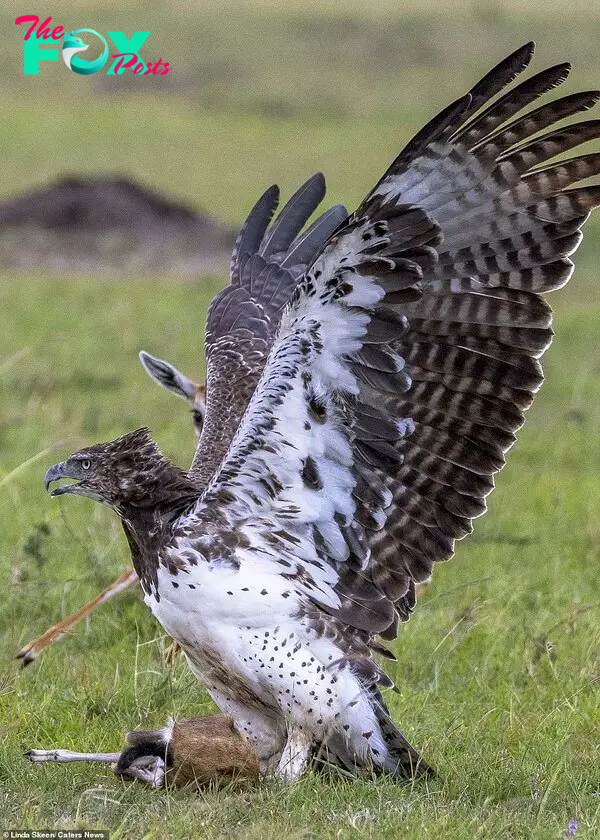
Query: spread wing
x,y
410,350
243,318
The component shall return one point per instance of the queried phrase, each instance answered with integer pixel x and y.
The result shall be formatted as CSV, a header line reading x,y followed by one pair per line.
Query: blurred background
x,y
258,91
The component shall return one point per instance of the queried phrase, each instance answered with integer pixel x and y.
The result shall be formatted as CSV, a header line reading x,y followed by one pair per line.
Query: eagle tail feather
x,y
388,752
402,760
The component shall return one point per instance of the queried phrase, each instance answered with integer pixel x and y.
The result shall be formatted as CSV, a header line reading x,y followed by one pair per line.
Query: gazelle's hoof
x,y
43,755
27,654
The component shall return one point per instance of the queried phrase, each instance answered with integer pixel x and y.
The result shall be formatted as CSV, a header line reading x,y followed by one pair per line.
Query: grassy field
x,y
499,669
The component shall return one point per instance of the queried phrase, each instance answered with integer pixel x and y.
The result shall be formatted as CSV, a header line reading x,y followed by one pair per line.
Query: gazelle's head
x,y
174,381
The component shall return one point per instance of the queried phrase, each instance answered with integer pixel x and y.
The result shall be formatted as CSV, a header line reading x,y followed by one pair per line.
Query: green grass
x,y
499,667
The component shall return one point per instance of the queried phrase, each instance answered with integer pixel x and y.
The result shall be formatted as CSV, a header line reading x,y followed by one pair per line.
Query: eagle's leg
x,y
294,758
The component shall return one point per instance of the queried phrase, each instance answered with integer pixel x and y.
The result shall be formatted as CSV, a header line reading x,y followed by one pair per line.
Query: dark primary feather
x,y
305,248
252,232
293,217
508,220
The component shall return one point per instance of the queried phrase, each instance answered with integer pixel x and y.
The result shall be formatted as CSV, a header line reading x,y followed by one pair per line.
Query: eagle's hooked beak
x,y
55,473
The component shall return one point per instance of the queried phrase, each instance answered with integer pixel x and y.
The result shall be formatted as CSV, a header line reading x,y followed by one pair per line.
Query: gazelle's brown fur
x,y
197,751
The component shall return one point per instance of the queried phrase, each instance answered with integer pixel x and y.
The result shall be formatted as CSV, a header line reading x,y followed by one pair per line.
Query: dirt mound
x,y
108,225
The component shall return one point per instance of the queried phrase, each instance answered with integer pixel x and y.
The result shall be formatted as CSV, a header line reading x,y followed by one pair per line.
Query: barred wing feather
x,y
403,364
242,320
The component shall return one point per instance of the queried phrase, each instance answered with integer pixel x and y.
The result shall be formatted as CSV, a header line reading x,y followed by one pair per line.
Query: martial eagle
x,y
345,451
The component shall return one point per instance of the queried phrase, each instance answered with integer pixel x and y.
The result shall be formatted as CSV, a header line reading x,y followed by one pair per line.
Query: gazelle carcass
x,y
197,751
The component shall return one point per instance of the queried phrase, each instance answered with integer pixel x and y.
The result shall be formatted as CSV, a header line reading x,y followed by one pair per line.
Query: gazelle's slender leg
x,y
64,756
150,770
33,648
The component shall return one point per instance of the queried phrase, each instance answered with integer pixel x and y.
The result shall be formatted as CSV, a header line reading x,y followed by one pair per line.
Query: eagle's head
x,y
128,473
